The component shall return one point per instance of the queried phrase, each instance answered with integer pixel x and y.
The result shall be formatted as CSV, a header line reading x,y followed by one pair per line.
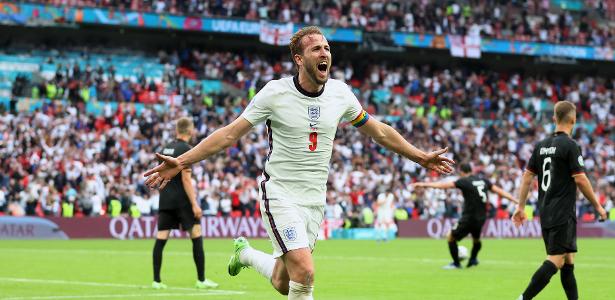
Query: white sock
x,y
298,291
262,262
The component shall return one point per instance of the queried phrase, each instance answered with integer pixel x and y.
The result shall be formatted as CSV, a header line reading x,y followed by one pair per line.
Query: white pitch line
x,y
579,261
117,296
118,285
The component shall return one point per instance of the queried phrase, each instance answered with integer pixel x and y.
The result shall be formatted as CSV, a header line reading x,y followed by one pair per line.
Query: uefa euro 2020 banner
x,y
251,227
48,15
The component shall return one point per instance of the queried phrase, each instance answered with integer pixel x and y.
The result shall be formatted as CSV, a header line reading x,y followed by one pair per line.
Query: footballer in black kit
x,y
556,160
475,197
558,163
474,213
175,208
178,209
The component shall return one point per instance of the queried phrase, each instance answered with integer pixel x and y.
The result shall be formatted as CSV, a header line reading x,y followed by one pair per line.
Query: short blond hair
x,y
564,111
184,125
296,47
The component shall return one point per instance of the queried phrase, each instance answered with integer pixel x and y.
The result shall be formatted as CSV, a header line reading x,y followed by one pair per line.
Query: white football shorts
x,y
290,225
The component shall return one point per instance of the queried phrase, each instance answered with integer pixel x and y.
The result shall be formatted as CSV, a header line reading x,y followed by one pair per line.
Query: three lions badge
x,y
290,233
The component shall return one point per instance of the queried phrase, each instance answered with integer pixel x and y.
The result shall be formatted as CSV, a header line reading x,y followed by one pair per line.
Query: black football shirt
x,y
173,195
555,160
474,190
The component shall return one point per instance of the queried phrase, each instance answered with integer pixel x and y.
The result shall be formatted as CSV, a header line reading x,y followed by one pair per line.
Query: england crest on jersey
x,y
290,233
313,112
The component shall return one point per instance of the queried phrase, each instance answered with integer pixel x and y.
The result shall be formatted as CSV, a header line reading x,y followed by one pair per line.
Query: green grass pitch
x,y
400,269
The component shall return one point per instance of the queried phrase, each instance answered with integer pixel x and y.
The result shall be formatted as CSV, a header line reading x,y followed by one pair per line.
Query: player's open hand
x,y
159,177
518,217
437,162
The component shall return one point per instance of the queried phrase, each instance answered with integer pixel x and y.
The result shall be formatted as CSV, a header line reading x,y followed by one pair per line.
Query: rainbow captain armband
x,y
360,120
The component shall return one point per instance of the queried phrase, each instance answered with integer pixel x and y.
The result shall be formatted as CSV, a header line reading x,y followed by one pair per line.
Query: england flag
x,y
276,34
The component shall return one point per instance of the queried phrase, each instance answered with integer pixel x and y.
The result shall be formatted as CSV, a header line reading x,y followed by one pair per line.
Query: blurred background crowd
x,y
78,133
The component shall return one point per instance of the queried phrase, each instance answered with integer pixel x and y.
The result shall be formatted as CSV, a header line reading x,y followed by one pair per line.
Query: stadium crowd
x,y
529,20
59,154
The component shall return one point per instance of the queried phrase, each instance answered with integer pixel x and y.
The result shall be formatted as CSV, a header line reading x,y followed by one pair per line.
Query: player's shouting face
x,y
315,59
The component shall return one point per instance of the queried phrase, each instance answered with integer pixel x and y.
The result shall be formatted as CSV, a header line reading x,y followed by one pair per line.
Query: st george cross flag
x,y
276,34
465,46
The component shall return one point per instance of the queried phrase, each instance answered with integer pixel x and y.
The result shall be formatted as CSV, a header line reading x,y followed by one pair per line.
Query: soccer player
x,y
558,162
302,114
385,209
474,214
177,207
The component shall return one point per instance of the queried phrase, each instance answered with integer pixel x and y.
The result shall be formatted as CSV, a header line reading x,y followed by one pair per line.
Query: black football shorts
x,y
172,219
561,239
467,226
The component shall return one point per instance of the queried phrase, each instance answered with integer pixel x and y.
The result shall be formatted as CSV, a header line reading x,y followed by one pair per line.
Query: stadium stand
x,y
584,23
81,122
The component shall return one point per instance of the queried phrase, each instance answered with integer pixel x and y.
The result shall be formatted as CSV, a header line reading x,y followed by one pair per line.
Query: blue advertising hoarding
x,y
32,13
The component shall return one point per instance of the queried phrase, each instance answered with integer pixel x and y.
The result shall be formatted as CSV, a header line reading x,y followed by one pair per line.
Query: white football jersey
x,y
301,127
386,203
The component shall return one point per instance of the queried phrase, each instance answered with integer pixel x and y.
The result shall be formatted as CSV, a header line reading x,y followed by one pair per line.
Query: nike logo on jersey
x,y
313,125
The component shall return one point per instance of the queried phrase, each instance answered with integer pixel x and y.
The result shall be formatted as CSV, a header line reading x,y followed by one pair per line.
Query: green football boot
x,y
234,265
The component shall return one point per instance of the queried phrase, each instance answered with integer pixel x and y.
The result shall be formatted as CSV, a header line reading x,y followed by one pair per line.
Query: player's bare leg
x,y
383,230
161,240
301,272
390,226
557,260
569,282
280,277
199,258
379,231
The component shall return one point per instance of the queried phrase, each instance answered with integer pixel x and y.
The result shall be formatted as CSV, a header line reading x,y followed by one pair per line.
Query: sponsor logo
x,y
581,162
145,227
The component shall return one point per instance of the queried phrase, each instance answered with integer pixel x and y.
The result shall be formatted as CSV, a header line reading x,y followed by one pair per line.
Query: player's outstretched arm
x,y
388,137
502,193
519,216
219,140
586,188
435,185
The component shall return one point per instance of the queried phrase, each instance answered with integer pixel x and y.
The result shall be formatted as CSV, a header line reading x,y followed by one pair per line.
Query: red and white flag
x,y
276,34
465,46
